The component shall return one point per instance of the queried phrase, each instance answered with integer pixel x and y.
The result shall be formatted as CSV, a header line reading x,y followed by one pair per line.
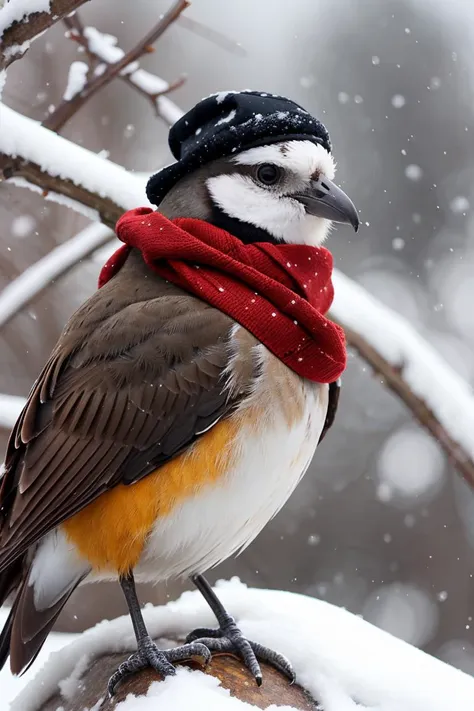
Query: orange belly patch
x,y
111,531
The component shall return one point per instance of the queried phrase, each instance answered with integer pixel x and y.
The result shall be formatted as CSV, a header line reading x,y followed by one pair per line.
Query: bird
x,y
184,400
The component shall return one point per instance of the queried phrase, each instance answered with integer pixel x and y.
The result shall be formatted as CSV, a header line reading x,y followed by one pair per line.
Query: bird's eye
x,y
268,174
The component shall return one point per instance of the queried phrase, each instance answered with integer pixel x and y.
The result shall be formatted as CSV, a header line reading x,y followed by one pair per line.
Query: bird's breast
x,y
212,500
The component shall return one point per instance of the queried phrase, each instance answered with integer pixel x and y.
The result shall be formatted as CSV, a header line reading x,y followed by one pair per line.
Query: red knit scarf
x,y
278,292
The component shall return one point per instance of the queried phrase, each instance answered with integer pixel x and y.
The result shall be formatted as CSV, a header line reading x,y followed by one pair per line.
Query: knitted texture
x,y
278,292
229,122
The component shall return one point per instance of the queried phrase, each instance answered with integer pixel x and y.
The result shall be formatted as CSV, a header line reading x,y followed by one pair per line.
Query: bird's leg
x,y
228,638
148,654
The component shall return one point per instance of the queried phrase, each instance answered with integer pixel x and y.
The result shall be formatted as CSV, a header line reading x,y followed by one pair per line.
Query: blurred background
x,y
381,524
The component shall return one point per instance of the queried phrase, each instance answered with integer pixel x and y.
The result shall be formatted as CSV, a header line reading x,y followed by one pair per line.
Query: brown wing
x,y
135,378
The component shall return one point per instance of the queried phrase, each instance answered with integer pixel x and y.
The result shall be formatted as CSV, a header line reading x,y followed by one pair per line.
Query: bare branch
x,y
67,109
18,29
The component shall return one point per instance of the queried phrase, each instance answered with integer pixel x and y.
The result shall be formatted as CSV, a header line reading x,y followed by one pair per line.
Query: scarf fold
x,y
278,292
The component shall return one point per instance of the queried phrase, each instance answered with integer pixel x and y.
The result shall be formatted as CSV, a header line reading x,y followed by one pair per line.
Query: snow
x,y
17,10
427,374
459,204
37,277
22,137
410,465
413,172
76,81
344,662
398,101
10,408
104,47
23,225
10,685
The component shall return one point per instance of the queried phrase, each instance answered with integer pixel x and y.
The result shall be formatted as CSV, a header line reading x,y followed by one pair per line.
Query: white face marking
x,y
272,209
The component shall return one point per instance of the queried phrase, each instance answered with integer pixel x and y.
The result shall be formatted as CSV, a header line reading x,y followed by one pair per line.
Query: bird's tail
x,y
27,627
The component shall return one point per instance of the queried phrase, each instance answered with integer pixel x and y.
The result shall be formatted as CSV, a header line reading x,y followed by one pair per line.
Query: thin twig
x,y
214,36
66,109
168,112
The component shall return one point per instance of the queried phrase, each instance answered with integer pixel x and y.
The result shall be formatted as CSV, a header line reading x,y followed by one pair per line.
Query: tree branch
x,y
19,26
56,120
22,290
56,165
438,398
100,49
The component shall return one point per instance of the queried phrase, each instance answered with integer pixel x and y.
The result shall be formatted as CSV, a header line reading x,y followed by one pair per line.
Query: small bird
x,y
185,399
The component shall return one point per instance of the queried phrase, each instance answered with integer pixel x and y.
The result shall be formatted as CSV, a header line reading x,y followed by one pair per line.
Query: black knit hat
x,y
230,122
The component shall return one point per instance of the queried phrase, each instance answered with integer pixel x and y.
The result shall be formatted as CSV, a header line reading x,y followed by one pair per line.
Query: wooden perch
x,y
14,41
228,669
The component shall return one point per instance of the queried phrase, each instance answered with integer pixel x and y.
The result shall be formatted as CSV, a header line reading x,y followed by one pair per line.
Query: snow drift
x,y
344,662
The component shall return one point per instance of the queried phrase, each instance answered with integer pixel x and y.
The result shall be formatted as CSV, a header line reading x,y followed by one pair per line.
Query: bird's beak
x,y
324,199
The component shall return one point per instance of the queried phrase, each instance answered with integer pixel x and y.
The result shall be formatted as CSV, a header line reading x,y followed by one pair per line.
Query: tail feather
x,y
29,627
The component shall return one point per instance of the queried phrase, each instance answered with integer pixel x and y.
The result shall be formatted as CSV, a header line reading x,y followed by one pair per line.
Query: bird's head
x,y
276,186
284,189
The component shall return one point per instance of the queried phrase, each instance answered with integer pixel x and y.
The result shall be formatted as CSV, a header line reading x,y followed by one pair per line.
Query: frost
x,y
76,81
413,172
398,100
375,60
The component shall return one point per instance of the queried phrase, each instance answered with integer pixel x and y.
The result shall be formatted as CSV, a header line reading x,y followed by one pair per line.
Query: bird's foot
x,y
148,655
228,638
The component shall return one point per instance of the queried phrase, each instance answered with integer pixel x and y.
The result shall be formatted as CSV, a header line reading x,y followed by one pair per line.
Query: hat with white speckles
x,y
227,123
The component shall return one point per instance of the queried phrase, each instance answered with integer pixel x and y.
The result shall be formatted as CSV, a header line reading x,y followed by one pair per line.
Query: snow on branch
x,y
56,165
345,663
102,49
118,64
58,262
441,400
21,21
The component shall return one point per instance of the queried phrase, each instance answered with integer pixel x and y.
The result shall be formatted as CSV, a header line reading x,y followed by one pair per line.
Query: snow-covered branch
x,y
436,395
58,262
21,21
122,64
342,661
103,50
57,166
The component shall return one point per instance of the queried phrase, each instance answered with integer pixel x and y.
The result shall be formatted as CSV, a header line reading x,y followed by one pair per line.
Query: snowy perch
x,y
23,20
345,663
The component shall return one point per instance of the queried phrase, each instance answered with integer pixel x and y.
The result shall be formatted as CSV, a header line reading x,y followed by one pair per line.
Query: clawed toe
x,y
230,639
148,655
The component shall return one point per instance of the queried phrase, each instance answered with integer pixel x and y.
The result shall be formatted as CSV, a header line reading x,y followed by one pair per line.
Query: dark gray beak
x,y
325,199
